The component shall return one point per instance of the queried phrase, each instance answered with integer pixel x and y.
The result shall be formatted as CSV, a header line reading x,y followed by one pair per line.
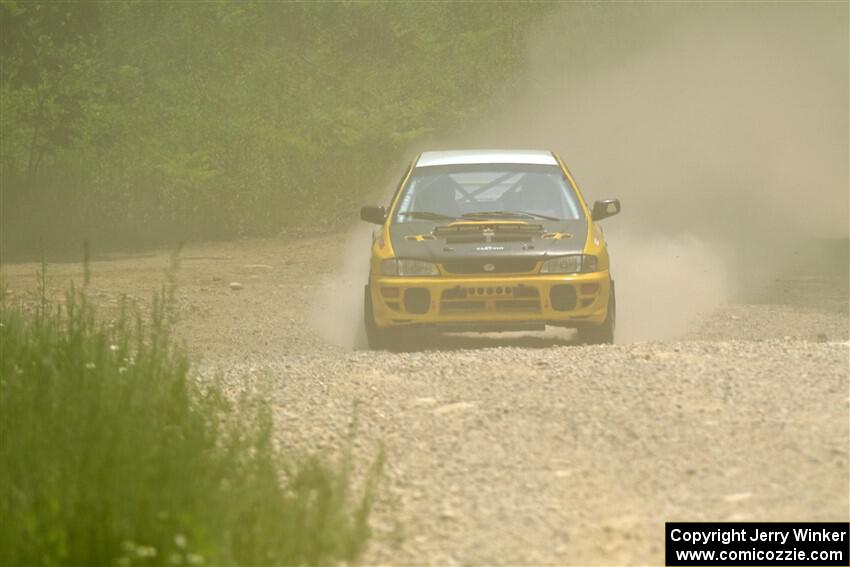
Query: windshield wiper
x,y
508,214
428,215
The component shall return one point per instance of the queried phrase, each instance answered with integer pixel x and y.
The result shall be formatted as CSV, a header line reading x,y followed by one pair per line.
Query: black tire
x,y
376,337
602,334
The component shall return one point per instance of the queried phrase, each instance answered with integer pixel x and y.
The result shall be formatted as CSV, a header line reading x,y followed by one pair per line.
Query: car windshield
x,y
487,191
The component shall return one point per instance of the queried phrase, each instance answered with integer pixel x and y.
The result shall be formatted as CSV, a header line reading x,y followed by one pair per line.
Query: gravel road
x,y
529,449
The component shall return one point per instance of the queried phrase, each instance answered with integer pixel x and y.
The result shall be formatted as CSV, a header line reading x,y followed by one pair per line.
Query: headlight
x,y
401,267
575,264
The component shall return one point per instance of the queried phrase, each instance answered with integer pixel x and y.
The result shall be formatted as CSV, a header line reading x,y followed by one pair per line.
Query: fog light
x,y
417,300
563,297
389,291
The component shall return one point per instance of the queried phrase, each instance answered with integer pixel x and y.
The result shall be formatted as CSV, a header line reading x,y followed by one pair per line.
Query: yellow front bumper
x,y
569,300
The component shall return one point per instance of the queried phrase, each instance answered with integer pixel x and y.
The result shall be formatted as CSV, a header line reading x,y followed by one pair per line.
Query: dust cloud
x,y
337,311
723,129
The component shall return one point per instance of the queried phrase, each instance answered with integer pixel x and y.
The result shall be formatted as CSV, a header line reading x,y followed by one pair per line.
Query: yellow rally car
x,y
488,240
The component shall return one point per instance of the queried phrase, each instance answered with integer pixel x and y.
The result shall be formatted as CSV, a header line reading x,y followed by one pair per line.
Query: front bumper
x,y
572,300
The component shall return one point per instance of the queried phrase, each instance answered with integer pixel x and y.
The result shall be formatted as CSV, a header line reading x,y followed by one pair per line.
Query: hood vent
x,y
486,232
483,239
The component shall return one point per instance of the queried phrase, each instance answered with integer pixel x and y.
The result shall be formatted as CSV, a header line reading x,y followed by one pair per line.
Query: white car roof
x,y
471,157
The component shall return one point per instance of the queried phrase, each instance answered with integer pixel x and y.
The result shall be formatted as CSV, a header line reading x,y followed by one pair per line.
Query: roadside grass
x,y
111,454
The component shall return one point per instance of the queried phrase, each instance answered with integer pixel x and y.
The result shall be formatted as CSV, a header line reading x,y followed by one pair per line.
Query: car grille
x,y
462,306
498,265
518,306
517,299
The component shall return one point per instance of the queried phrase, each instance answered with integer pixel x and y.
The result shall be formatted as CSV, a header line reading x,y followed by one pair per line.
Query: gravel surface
x,y
528,449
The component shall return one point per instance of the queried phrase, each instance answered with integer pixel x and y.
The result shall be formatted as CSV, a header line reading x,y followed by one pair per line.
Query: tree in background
x,y
138,123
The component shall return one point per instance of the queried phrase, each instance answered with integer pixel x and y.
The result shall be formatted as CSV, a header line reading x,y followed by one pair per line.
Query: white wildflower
x,y
145,551
180,541
90,366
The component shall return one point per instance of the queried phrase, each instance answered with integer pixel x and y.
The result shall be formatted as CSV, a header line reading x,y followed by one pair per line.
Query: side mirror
x,y
373,214
605,208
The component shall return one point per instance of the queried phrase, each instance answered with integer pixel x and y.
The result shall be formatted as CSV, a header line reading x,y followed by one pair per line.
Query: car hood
x,y
471,240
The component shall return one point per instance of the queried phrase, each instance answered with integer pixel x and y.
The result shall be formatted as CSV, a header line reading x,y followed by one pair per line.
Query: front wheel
x,y
376,337
604,333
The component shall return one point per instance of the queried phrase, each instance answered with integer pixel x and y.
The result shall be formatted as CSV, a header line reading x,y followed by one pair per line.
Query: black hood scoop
x,y
498,247
478,233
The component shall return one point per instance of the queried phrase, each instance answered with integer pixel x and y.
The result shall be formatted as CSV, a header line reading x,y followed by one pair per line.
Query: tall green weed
x,y
111,453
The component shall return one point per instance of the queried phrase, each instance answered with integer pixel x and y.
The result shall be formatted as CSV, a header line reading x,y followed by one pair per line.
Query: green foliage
x,y
110,454
139,122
